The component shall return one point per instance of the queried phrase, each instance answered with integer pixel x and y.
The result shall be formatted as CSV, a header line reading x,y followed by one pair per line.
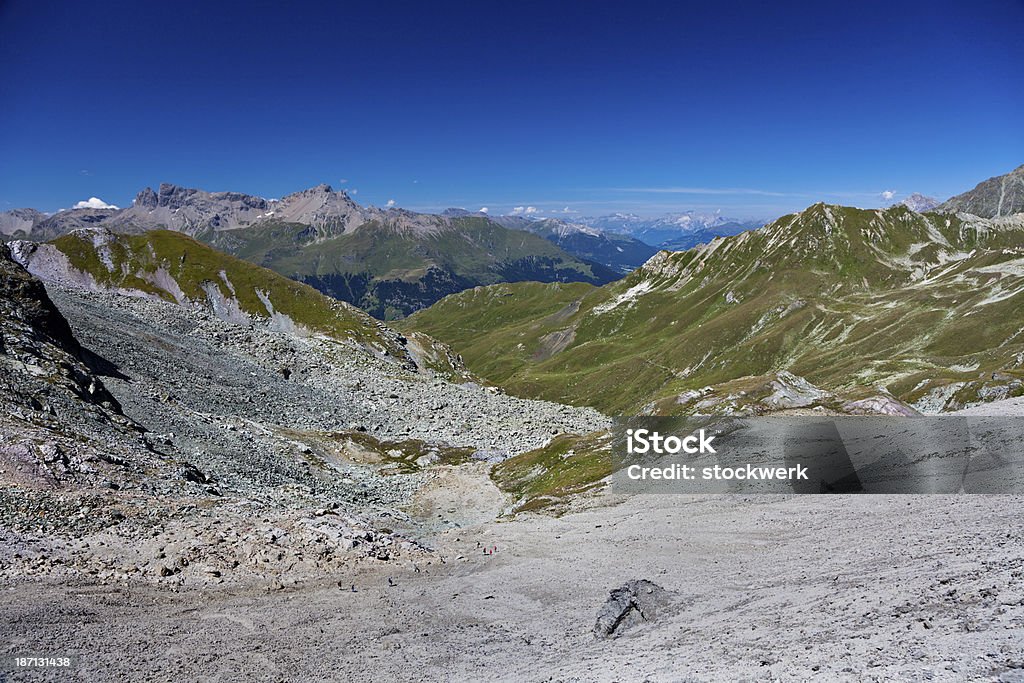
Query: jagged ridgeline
x,y
999,196
175,267
388,262
833,306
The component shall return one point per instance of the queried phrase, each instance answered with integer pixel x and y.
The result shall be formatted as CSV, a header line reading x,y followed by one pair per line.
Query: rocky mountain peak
x,y
919,202
19,220
999,196
174,196
147,198
320,195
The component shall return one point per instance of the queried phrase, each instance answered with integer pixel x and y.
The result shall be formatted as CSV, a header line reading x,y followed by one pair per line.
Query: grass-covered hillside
x,y
925,309
391,271
174,267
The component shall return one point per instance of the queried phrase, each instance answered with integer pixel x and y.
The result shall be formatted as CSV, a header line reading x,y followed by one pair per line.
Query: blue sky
x,y
753,108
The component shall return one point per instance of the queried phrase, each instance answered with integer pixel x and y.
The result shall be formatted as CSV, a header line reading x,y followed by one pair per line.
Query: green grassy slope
x,y
855,301
161,262
390,271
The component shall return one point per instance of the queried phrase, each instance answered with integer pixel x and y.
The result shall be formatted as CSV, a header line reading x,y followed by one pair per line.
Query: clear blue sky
x,y
755,108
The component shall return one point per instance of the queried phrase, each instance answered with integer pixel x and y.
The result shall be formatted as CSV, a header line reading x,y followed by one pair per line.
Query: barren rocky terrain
x,y
186,498
771,588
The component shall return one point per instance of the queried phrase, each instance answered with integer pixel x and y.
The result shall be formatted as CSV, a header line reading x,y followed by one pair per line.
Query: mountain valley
x,y
918,311
191,438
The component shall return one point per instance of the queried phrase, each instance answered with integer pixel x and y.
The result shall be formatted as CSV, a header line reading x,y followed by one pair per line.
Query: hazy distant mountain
x,y
63,222
619,252
999,196
919,202
675,231
690,240
19,222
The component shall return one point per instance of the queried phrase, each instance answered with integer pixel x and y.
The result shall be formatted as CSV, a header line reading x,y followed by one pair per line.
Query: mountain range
x,y
622,252
176,415
673,231
848,309
389,262
392,262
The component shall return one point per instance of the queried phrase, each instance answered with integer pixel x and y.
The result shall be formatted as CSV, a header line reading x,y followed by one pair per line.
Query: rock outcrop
x,y
40,356
632,604
999,196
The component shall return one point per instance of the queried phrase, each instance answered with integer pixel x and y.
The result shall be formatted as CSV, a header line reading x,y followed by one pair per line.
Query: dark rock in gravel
x,y
634,603
195,475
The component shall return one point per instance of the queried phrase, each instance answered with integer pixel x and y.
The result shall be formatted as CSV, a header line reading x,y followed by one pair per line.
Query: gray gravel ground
x,y
772,588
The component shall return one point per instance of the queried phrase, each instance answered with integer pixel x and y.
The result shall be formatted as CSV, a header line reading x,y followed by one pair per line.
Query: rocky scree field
x,y
186,441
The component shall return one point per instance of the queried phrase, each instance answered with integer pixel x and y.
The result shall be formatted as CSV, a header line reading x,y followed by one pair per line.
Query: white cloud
x,y
342,181
354,190
391,202
518,210
531,209
888,194
524,210
93,203
484,209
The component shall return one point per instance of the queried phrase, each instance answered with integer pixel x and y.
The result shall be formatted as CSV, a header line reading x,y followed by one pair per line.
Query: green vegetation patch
x,y
405,456
546,477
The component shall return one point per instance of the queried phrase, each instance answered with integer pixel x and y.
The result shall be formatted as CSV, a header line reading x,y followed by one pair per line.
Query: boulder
x,y
634,603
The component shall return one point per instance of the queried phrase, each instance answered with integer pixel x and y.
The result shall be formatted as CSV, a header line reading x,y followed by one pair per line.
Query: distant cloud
x,y
93,203
888,194
342,181
565,210
354,190
524,210
415,182
484,209
391,202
